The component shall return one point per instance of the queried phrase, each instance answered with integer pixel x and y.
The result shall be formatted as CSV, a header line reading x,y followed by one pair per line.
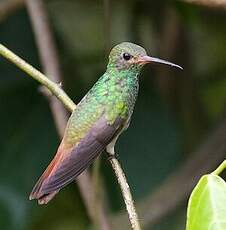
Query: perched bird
x,y
98,120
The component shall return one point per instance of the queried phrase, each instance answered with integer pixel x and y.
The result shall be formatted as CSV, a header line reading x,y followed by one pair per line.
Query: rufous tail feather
x,y
37,190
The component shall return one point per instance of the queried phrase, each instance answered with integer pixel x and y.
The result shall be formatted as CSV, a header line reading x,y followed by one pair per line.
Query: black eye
x,y
127,56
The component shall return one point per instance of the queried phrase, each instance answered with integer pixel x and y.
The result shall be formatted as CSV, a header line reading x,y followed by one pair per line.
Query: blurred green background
x,y
174,113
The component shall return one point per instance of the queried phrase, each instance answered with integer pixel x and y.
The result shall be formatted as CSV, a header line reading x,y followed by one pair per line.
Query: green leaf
x,y
207,205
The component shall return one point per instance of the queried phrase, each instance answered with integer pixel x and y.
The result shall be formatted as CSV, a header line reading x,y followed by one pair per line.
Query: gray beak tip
x,y
177,66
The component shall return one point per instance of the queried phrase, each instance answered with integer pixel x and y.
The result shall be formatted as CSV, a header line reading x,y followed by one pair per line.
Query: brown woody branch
x,y
220,4
50,63
8,7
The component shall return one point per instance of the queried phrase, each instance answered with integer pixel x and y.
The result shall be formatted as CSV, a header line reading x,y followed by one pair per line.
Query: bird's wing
x,y
82,155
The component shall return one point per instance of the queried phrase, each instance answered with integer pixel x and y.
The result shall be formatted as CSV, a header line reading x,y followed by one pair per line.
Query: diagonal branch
x,y
133,217
38,76
50,62
8,7
218,4
48,57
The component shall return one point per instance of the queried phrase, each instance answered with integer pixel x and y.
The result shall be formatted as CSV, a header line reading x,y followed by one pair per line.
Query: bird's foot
x,y
113,156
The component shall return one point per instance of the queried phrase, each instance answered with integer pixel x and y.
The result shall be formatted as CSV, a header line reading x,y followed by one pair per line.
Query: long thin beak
x,y
147,59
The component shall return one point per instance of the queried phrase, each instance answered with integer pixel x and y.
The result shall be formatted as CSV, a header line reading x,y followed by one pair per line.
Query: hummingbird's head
x,y
129,56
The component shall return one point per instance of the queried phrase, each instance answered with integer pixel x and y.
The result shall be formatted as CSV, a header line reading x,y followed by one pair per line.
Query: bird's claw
x,y
113,156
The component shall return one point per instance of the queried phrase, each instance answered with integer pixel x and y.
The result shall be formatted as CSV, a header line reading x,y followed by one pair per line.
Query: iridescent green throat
x,y
117,91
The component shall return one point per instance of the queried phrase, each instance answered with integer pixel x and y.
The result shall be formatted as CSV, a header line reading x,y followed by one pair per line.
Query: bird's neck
x,y
124,85
124,80
116,73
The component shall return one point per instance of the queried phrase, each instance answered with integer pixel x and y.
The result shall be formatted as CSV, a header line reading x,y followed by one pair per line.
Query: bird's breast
x,y
120,97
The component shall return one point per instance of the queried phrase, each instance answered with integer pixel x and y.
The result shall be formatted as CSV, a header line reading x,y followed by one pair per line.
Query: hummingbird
x,y
97,121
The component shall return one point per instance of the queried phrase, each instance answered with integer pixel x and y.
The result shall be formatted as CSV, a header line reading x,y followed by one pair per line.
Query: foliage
x,y
206,207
